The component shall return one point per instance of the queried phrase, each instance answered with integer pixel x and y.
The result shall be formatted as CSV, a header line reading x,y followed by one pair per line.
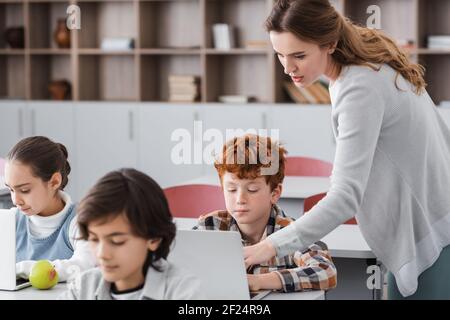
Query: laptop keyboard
x,y
20,281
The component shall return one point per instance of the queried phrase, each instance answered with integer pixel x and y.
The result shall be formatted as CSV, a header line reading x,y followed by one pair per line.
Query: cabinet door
x,y
232,120
12,124
305,131
55,120
105,140
445,113
164,129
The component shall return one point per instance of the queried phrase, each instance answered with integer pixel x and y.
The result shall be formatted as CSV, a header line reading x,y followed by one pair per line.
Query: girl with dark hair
x,y
36,173
392,164
126,219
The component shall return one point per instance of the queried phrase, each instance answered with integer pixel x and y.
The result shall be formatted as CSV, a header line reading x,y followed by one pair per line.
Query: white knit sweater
x,y
391,170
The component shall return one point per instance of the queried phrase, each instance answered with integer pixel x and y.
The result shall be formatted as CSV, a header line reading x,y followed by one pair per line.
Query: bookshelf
x,y
175,37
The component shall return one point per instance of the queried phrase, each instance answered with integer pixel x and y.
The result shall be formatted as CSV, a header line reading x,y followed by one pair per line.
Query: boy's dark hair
x,y
44,156
140,199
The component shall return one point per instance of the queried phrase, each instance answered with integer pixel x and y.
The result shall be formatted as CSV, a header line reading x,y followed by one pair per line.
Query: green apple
x,y
43,275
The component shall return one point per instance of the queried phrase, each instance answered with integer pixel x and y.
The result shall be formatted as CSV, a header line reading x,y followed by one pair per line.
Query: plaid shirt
x,y
311,269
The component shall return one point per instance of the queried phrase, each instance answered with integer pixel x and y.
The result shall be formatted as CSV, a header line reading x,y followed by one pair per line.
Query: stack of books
x,y
316,93
236,99
438,42
184,88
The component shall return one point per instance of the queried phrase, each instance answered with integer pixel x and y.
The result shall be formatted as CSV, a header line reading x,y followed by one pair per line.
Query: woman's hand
x,y
259,253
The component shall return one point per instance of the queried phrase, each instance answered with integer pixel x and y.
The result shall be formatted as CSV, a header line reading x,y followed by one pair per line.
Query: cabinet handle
x,y
197,137
130,125
33,122
264,120
20,126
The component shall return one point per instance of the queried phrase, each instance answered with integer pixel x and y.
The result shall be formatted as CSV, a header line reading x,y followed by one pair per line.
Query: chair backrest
x,y
311,202
191,201
309,167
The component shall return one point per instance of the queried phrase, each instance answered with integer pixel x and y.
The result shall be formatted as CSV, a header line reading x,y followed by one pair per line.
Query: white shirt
x,y
42,227
391,170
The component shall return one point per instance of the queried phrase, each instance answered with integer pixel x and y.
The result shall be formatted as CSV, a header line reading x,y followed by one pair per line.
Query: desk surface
x,y
293,187
346,241
31,293
307,295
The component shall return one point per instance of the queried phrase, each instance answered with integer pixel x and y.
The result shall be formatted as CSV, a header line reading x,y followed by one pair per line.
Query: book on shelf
x,y
439,41
294,93
178,97
316,93
236,99
178,78
110,43
223,36
184,88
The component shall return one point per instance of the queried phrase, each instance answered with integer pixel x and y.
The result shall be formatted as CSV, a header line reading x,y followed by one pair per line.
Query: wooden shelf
x,y
95,51
9,51
50,51
426,51
161,51
175,37
237,51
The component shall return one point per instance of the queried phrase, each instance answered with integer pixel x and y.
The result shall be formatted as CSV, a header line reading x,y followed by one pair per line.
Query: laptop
x,y
8,279
216,258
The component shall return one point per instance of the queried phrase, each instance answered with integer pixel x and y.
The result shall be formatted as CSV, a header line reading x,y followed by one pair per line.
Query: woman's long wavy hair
x,y
317,21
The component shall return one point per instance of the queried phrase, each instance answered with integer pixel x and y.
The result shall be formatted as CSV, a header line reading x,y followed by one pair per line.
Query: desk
x,y
31,293
351,255
346,241
307,295
295,190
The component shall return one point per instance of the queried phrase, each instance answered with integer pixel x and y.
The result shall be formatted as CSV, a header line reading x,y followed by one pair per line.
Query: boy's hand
x,y
259,253
253,282
264,281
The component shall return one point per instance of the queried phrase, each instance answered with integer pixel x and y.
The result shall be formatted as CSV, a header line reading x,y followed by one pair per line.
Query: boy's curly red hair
x,y
258,154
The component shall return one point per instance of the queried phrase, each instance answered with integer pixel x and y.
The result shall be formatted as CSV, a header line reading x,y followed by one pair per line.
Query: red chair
x,y
311,202
307,167
191,201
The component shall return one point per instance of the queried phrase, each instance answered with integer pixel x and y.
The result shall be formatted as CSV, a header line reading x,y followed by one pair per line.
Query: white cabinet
x,y
304,131
170,142
105,140
166,142
55,120
230,120
12,124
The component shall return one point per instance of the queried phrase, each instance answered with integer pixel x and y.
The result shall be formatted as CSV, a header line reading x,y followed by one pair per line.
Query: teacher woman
x,y
392,163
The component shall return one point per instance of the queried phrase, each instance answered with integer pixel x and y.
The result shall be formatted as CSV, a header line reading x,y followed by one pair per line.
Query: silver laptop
x,y
216,258
8,279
